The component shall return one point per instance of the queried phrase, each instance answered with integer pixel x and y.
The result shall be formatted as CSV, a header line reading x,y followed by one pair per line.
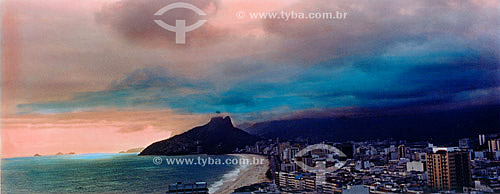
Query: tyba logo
x,y
180,27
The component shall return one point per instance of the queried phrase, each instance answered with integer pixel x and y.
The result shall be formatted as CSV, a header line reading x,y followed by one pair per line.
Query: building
x,y
289,153
482,139
447,149
293,152
356,189
393,156
330,187
258,188
347,149
194,188
464,143
288,167
448,170
402,151
309,183
494,145
415,166
294,181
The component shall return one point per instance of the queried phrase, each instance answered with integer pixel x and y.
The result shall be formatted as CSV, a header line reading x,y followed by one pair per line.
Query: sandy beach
x,y
249,175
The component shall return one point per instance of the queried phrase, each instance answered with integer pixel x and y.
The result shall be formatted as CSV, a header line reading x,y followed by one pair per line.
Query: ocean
x,y
107,173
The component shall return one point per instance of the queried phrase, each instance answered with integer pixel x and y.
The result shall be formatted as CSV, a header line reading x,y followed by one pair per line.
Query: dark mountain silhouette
x,y
439,127
219,136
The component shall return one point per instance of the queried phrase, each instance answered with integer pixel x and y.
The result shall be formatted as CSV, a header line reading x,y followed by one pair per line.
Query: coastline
x,y
245,175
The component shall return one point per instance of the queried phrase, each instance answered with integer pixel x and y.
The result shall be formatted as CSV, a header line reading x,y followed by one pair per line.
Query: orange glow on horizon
x,y
91,132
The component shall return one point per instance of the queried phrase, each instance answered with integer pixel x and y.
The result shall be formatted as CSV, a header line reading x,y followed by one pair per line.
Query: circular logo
x,y
320,167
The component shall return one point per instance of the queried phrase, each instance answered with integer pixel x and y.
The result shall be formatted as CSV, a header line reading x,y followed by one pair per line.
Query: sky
x,y
101,76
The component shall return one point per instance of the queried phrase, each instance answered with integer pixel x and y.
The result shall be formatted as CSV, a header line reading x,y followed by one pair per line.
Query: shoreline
x,y
246,175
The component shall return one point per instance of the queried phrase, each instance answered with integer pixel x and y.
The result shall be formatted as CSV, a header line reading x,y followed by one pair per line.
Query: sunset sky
x,y
101,76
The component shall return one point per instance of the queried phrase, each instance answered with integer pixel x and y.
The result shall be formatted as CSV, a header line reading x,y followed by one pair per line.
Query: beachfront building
x,y
192,188
330,187
295,181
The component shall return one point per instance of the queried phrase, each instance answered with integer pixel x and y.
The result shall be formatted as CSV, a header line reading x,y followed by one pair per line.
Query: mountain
x,y
439,127
219,136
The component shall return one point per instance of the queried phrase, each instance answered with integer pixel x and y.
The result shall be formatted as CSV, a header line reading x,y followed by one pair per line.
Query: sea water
x,y
107,173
